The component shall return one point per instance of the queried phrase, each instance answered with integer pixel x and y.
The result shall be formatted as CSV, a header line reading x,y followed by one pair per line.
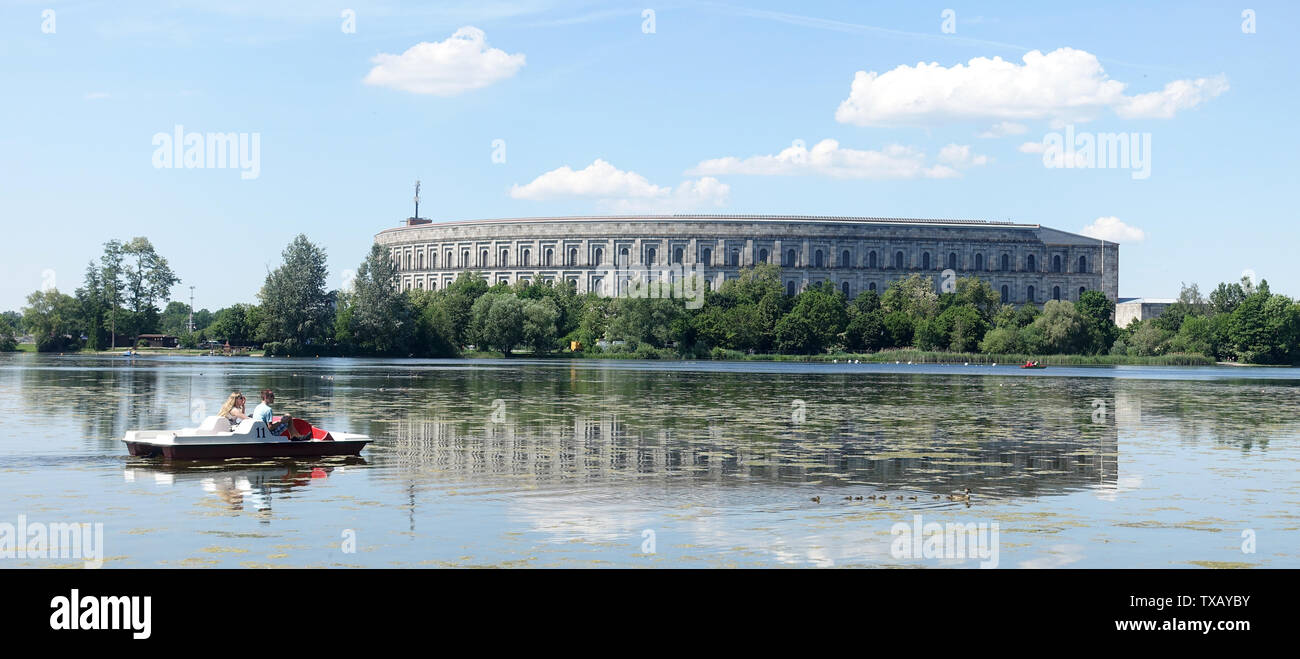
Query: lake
x,y
555,463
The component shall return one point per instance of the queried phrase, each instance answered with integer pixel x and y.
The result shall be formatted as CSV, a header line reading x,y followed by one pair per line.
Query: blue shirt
x,y
263,413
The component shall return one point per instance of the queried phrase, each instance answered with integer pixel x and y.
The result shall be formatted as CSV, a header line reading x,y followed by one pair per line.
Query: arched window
x,y
952,260
433,285
898,260
419,283
419,260
762,256
408,260
677,256
1056,263
623,258
845,258
1030,264
598,257
464,258
789,288
505,258
871,260
528,255
483,258
1082,290
845,287
1083,264
734,257
573,256
1030,294
817,259
925,261
790,258
433,262
1005,293
549,254
871,286
979,262
650,256
1006,263
1056,292
706,256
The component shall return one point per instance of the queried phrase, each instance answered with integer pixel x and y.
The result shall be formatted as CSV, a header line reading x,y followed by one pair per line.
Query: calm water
x,y
576,464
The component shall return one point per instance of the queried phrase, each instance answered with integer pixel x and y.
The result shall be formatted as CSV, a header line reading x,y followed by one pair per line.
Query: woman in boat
x,y
233,410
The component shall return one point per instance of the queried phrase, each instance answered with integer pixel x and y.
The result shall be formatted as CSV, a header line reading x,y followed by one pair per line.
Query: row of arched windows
x,y
899,261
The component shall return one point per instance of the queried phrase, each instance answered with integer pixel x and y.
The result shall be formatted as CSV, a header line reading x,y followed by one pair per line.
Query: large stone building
x,y
1024,262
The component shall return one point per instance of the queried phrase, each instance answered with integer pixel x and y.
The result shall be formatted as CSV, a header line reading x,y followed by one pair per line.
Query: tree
x,y
94,307
461,296
148,279
110,287
497,322
294,298
1098,313
236,325
1226,297
8,336
913,295
1058,330
175,319
380,316
540,331
52,318
961,327
815,322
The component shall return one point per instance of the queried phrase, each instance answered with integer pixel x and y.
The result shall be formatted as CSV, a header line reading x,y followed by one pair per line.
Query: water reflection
x,y
566,463
242,486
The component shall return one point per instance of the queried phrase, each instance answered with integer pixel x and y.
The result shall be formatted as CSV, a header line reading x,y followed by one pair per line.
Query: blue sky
x,y
700,114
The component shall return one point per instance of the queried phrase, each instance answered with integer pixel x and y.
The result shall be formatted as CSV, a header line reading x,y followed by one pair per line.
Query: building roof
x,y
1145,300
1047,234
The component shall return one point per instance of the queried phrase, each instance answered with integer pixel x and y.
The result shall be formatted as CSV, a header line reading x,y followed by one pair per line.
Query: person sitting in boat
x,y
264,414
233,410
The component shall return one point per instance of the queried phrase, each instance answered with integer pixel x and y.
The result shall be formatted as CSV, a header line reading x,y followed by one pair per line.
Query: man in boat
x,y
264,414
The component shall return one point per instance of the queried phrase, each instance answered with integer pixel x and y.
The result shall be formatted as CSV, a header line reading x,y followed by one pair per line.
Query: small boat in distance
x,y
215,439
1032,365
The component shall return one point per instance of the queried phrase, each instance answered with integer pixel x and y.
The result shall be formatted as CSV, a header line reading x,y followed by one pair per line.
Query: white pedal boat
x,y
215,439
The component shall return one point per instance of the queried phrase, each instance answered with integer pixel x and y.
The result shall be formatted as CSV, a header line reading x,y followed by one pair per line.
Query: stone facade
x,y
1130,309
1024,262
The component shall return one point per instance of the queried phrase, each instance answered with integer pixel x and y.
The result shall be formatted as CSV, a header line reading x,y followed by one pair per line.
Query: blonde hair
x,y
230,404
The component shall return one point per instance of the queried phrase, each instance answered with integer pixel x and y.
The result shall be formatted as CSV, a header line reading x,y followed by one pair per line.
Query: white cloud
x,y
960,155
622,190
1003,129
1032,147
1113,230
445,68
1063,84
827,158
1177,95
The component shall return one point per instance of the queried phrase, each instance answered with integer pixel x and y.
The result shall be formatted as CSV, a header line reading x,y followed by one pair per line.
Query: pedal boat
x,y
216,439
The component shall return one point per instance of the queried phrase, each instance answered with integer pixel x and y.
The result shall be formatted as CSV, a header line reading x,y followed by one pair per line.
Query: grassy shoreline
x,y
882,357
887,356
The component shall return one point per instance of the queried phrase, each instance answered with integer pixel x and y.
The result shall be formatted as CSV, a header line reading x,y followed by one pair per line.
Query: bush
x,y
723,353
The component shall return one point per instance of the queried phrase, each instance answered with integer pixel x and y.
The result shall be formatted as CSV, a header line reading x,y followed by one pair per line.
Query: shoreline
x,y
886,356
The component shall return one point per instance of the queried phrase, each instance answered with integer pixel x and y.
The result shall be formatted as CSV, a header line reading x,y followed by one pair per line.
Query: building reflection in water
x,y
1037,456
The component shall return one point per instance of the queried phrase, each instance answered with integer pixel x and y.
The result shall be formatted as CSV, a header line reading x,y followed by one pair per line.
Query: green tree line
x,y
297,314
